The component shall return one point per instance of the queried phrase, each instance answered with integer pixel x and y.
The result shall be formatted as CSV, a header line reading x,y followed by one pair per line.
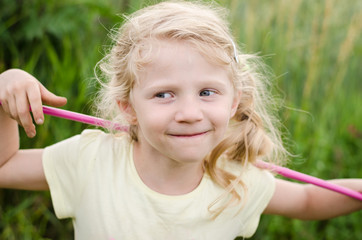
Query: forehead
x,y
169,56
213,53
175,59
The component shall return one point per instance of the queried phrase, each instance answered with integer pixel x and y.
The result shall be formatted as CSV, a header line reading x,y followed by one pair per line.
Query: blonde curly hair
x,y
253,131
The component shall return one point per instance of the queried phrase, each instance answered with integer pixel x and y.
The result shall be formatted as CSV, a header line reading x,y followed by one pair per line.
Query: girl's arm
x,y
21,169
309,202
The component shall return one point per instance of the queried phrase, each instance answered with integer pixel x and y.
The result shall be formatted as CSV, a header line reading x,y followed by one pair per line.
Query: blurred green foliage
x,y
314,49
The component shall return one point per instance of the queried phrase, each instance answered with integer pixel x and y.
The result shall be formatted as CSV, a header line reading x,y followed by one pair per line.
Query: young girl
x,y
198,117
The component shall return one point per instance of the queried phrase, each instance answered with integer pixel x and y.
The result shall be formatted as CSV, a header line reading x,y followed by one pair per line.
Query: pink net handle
x,y
78,117
83,118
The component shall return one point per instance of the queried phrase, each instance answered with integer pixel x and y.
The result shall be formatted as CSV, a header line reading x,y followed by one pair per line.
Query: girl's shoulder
x,y
92,135
249,173
238,168
97,139
90,141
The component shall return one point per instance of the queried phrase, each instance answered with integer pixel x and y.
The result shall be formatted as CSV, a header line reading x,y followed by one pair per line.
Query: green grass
x,y
314,49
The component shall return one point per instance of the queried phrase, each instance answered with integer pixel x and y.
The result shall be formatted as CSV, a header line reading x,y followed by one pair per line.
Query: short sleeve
x,y
67,166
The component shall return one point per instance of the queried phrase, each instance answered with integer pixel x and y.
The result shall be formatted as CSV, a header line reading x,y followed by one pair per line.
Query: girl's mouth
x,y
188,135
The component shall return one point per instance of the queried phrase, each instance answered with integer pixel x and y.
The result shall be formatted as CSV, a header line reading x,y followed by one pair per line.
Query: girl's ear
x,y
235,104
127,109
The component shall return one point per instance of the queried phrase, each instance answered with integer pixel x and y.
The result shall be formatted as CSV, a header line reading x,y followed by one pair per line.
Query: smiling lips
x,y
187,135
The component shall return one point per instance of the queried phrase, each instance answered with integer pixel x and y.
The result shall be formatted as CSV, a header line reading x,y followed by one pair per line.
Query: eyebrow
x,y
204,82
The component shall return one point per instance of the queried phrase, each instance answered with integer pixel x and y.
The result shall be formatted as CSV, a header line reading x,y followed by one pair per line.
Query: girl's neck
x,y
165,175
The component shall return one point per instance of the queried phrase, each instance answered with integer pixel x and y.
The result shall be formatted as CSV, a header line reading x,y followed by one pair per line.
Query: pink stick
x,y
288,173
78,117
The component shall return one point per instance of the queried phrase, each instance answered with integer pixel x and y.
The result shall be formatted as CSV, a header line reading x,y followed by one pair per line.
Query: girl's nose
x,y
188,110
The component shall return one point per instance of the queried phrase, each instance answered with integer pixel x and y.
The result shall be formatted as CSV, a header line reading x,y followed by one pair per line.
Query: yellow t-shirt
x,y
93,180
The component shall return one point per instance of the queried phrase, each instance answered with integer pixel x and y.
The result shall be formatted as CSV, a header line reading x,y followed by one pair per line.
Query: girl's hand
x,y
20,91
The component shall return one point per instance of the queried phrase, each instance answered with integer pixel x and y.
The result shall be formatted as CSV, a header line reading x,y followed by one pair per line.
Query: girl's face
x,y
182,104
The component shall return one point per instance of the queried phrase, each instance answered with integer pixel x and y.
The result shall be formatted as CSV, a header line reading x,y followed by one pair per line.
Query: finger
x,y
5,106
50,98
9,109
24,115
12,110
11,104
4,98
34,98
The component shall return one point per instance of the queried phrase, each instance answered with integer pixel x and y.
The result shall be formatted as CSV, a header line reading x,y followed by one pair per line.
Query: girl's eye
x,y
163,95
206,93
